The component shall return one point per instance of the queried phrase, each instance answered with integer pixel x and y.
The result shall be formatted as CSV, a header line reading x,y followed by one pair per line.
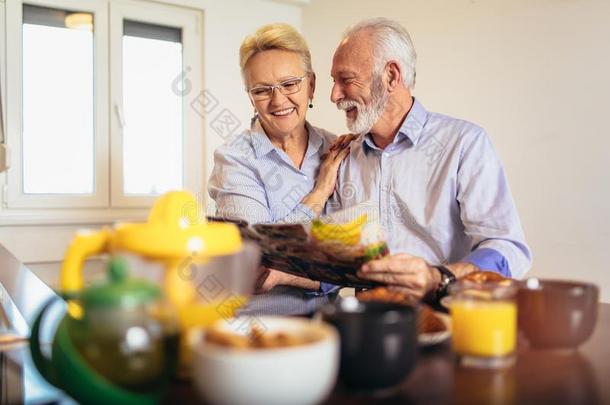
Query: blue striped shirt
x,y
441,193
255,181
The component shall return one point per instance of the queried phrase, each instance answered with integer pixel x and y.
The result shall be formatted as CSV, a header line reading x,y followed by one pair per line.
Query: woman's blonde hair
x,y
274,36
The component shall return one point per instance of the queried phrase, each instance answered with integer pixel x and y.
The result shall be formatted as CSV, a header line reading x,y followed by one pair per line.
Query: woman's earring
x,y
310,103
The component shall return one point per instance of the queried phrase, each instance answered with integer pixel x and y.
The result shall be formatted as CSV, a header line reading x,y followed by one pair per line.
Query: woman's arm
x,y
327,176
240,194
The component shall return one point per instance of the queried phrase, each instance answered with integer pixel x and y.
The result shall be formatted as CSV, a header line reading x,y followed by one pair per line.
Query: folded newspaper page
x,y
329,249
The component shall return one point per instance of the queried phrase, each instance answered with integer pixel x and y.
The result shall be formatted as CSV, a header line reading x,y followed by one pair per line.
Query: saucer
x,y
431,339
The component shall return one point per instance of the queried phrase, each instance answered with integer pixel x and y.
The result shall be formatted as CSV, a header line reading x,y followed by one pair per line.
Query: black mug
x,y
378,342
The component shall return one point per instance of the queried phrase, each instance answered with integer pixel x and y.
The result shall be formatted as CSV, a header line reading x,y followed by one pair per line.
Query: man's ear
x,y
312,85
393,75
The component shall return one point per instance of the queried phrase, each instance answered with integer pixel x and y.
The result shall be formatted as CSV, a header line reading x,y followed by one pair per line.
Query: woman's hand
x,y
327,175
342,141
270,278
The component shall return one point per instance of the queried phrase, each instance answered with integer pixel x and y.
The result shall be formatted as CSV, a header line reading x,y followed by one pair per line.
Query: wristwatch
x,y
447,278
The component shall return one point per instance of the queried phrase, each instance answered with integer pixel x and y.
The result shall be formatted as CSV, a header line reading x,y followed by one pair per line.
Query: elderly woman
x,y
283,169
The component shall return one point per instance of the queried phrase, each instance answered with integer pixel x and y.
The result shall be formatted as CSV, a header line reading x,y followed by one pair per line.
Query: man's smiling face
x,y
357,89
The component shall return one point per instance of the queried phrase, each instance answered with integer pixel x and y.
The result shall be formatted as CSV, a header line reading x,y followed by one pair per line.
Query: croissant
x,y
484,276
427,321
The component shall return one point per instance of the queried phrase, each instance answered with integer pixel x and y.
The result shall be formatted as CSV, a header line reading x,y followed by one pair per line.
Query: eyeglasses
x,y
286,87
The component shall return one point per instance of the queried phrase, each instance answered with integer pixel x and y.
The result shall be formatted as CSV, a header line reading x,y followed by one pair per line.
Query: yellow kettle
x,y
176,236
204,268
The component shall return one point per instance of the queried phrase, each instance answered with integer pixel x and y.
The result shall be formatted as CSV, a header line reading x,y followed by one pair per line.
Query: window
x,y
96,117
57,99
152,59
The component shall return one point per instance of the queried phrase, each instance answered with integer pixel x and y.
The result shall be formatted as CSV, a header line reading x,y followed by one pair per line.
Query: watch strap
x,y
447,278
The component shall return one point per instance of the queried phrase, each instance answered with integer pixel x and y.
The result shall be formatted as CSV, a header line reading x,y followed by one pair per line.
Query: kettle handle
x,y
42,363
83,245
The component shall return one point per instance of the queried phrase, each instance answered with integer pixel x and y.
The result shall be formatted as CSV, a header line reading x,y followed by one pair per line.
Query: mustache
x,y
347,104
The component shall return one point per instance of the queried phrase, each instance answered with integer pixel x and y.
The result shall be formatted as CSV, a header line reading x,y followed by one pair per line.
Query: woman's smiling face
x,y
280,114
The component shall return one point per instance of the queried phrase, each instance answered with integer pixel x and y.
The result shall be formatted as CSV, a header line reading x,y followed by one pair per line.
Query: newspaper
x,y
330,249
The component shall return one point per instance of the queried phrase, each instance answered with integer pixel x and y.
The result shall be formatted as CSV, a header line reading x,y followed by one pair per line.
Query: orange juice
x,y
483,328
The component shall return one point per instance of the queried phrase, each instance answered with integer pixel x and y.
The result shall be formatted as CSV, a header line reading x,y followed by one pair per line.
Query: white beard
x,y
368,114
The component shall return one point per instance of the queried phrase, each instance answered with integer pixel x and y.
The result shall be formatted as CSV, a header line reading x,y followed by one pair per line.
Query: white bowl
x,y
296,375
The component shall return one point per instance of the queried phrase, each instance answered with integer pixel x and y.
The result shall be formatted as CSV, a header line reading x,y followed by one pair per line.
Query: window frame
x,y
192,129
2,73
15,196
109,203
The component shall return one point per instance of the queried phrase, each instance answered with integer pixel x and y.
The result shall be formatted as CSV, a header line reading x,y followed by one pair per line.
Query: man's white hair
x,y
391,41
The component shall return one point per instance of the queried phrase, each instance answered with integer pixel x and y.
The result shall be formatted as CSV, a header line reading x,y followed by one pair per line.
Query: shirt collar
x,y
315,140
413,125
410,128
262,144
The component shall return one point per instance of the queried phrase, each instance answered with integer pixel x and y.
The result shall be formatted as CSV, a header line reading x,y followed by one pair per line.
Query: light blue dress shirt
x,y
255,181
441,193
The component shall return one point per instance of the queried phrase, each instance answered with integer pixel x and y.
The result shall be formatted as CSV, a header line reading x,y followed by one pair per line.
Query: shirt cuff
x,y
489,260
325,289
305,211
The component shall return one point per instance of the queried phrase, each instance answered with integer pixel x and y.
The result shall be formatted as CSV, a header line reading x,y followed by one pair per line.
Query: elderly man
x,y
440,189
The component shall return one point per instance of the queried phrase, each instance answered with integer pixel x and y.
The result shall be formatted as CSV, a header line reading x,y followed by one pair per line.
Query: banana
x,y
348,234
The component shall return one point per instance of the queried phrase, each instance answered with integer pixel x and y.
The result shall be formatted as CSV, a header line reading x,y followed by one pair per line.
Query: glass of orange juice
x,y
484,322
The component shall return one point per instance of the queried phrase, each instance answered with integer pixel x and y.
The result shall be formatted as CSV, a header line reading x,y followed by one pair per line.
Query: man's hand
x,y
408,274
270,278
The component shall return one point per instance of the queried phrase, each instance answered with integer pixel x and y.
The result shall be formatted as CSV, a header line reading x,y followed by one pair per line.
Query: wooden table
x,y
538,377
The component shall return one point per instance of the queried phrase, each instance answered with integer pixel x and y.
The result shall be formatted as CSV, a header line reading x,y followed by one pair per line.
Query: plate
x,y
431,339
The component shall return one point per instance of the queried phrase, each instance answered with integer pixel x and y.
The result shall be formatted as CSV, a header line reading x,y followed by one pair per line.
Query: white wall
x,y
226,23
535,74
